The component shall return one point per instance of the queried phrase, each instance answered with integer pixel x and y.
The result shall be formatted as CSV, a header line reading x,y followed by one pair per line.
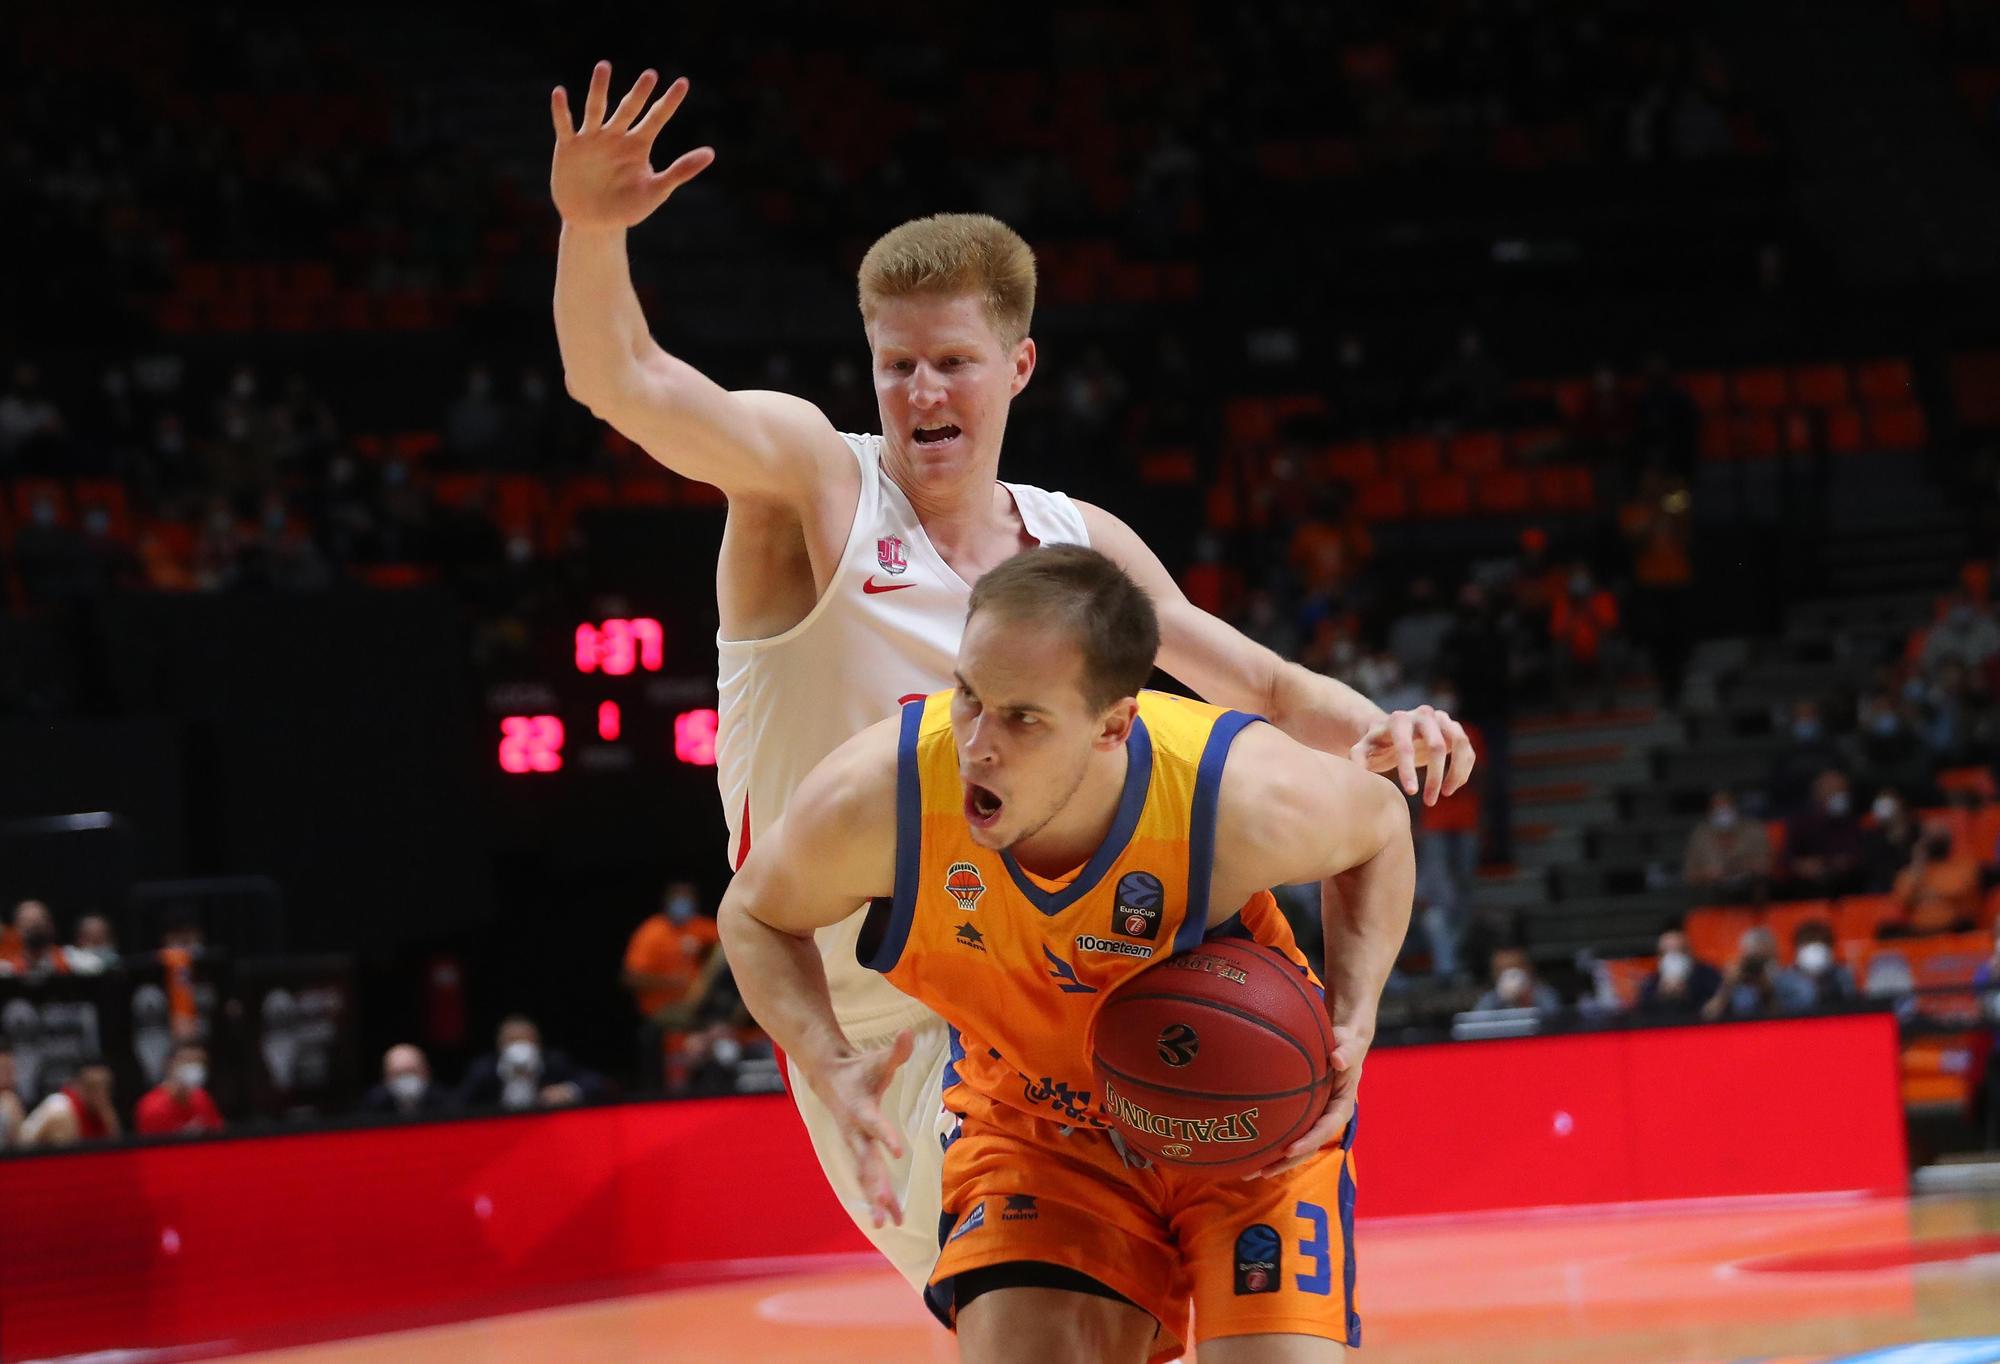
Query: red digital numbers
x,y
610,722
694,737
531,743
618,646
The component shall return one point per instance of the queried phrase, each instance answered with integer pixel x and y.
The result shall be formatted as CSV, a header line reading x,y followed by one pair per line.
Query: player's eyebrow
x,y
1024,708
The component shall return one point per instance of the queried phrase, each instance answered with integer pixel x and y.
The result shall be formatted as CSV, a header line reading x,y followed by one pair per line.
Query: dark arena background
x,y
1621,376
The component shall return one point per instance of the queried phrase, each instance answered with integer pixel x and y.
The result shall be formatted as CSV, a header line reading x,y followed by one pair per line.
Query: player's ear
x,y
1116,726
1024,365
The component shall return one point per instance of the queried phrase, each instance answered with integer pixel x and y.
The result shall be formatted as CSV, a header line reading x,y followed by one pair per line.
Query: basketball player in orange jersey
x,y
846,559
995,829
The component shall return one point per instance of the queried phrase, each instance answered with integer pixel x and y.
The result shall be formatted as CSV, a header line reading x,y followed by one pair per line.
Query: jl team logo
x,y
889,554
1136,911
1256,1260
962,880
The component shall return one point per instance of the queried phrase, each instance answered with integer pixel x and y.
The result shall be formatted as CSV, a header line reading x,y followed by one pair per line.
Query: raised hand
x,y
602,174
1421,738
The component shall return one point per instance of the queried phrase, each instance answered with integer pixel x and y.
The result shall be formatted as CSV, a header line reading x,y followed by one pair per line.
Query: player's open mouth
x,y
982,807
933,437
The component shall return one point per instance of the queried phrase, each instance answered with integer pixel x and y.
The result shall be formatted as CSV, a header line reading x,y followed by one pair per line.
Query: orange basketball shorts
x,y
1248,1255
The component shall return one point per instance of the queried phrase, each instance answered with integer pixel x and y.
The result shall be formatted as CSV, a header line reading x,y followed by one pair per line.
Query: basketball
x,y
1216,1059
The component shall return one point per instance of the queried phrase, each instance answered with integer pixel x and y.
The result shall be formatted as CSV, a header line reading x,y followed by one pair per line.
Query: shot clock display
x,y
615,708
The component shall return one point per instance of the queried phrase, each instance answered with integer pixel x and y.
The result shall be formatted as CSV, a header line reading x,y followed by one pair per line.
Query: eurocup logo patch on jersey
x,y
889,554
1257,1251
1136,910
963,881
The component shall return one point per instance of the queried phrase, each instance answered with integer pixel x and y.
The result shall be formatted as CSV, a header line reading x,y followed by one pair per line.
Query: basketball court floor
x,y
1793,1280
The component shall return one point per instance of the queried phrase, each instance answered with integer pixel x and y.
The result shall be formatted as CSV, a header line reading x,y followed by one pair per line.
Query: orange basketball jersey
x,y
1017,963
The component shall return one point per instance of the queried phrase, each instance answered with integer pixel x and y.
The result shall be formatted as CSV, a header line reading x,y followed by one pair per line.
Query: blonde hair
x,y
954,253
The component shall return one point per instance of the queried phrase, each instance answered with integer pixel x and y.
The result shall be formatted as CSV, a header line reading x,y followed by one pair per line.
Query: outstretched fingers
x,y
635,100
685,167
559,113
599,95
663,109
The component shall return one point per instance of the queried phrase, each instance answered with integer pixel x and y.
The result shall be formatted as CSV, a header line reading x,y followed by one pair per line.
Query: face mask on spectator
x,y
1723,816
680,908
1675,967
726,1051
1837,804
1513,983
1884,808
1806,729
191,1075
521,1058
1885,723
1815,957
408,1088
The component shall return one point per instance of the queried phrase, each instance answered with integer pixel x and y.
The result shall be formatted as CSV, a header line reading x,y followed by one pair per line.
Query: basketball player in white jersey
x,y
847,560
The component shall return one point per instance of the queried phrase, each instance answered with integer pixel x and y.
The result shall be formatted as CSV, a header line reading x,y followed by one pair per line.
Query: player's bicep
x,y
749,443
1303,815
834,847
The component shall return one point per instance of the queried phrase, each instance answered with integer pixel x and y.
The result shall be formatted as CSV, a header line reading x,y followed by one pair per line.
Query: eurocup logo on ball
x,y
1136,912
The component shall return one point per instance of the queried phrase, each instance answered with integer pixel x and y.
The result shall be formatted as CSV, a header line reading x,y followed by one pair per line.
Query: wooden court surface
x,y
1793,1280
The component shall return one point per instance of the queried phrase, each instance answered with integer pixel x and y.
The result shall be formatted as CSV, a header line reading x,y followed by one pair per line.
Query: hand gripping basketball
x,y
852,1088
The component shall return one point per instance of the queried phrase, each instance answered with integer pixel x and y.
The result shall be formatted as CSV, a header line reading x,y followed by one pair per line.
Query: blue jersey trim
x,y
909,844
1347,1234
1201,824
951,1076
1131,804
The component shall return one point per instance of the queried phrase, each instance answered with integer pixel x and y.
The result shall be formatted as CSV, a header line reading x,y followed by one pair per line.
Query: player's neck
x,y
1079,829
961,512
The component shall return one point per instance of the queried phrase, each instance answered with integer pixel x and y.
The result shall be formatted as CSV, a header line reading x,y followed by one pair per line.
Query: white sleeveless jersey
x,y
886,628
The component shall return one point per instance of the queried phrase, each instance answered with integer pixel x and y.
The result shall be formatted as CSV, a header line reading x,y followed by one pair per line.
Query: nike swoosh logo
x,y
872,588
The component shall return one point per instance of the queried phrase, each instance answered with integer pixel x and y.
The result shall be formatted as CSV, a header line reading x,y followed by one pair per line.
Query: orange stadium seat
x,y
1385,499
1795,431
1626,975
1714,930
1753,435
1168,468
1709,389
107,495
1248,421
1476,452
1896,426
1844,433
1444,495
1715,436
1412,456
522,502
1976,781
1763,388
1989,913
1821,385
1886,381
1356,461
1564,487
1784,920
1857,917
1506,492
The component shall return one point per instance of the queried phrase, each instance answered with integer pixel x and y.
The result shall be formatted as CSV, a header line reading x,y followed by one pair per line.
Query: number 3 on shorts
x,y
1316,1250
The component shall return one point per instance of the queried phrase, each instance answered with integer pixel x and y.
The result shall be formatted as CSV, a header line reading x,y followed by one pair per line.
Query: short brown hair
x,y
955,253
1110,616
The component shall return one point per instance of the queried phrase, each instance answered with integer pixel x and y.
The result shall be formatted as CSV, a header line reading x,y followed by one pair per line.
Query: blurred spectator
x,y
1418,635
1886,748
32,949
1749,987
1583,621
1448,855
1478,657
520,1074
29,422
1515,986
1808,752
1330,545
1939,890
1659,527
1824,842
406,1090
1681,983
475,424
11,1112
669,963
93,952
1814,980
1890,841
180,1104
51,557
78,1112
181,946
1967,634
1728,857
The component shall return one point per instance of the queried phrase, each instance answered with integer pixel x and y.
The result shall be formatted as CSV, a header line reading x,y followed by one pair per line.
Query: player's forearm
x,y
1319,711
783,984
1365,912
600,327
